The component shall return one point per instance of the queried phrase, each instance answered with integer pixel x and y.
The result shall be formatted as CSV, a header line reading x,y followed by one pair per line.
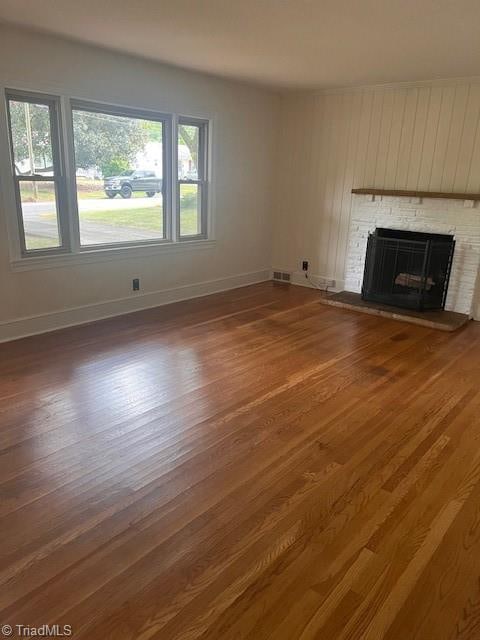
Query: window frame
x,y
58,179
129,112
71,251
203,176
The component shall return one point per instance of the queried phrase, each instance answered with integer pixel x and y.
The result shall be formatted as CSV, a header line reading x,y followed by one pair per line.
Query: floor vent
x,y
281,276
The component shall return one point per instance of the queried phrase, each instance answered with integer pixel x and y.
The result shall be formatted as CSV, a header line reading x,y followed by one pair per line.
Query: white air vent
x,y
281,276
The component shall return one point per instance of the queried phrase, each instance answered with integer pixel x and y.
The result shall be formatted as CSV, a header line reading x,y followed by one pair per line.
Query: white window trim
x,y
202,182
129,252
77,254
166,120
57,179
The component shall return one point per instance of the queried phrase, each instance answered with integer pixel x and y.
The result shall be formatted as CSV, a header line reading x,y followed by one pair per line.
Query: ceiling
x,y
283,43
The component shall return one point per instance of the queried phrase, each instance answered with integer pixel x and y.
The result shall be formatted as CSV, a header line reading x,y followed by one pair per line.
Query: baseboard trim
x,y
42,323
315,281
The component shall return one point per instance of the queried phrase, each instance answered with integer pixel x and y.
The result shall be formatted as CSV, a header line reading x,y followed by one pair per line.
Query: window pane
x,y
31,138
188,151
119,170
40,214
190,216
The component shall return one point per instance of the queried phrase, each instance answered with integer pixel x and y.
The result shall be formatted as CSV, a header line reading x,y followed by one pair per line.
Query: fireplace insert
x,y
407,268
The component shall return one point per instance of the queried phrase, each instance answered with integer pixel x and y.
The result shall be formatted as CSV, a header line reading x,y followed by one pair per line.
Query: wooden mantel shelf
x,y
416,194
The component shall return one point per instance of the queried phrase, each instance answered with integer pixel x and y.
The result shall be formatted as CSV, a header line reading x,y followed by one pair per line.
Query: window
x,y
99,177
119,162
192,178
37,172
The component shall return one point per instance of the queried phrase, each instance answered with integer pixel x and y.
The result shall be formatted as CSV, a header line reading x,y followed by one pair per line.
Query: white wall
x,y
245,131
422,136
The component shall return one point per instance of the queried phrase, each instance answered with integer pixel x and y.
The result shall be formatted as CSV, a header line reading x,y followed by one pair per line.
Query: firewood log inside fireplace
x,y
414,281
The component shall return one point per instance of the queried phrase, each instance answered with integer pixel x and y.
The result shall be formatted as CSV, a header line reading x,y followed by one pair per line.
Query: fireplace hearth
x,y
408,269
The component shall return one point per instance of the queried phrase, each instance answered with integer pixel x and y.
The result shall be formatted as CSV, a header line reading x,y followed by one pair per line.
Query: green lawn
x,y
37,242
148,218
45,192
90,195
141,218
137,217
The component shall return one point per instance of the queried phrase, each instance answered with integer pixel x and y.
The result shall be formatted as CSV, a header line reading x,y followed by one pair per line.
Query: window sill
x,y
89,256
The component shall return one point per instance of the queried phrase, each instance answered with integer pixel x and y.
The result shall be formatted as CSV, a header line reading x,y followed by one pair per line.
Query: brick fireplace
x,y
450,217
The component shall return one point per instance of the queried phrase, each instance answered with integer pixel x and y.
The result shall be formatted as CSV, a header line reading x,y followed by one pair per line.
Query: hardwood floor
x,y
253,464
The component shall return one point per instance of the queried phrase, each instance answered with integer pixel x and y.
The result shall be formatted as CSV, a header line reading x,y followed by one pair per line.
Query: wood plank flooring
x,y
249,465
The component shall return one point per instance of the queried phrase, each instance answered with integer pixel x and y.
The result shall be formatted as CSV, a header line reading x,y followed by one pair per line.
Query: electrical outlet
x,y
136,284
305,265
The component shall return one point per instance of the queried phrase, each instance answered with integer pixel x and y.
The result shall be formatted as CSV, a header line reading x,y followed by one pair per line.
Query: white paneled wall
x,y
422,136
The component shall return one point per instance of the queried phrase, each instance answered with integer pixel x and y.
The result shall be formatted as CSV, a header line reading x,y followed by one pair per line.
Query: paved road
x,y
100,204
91,232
